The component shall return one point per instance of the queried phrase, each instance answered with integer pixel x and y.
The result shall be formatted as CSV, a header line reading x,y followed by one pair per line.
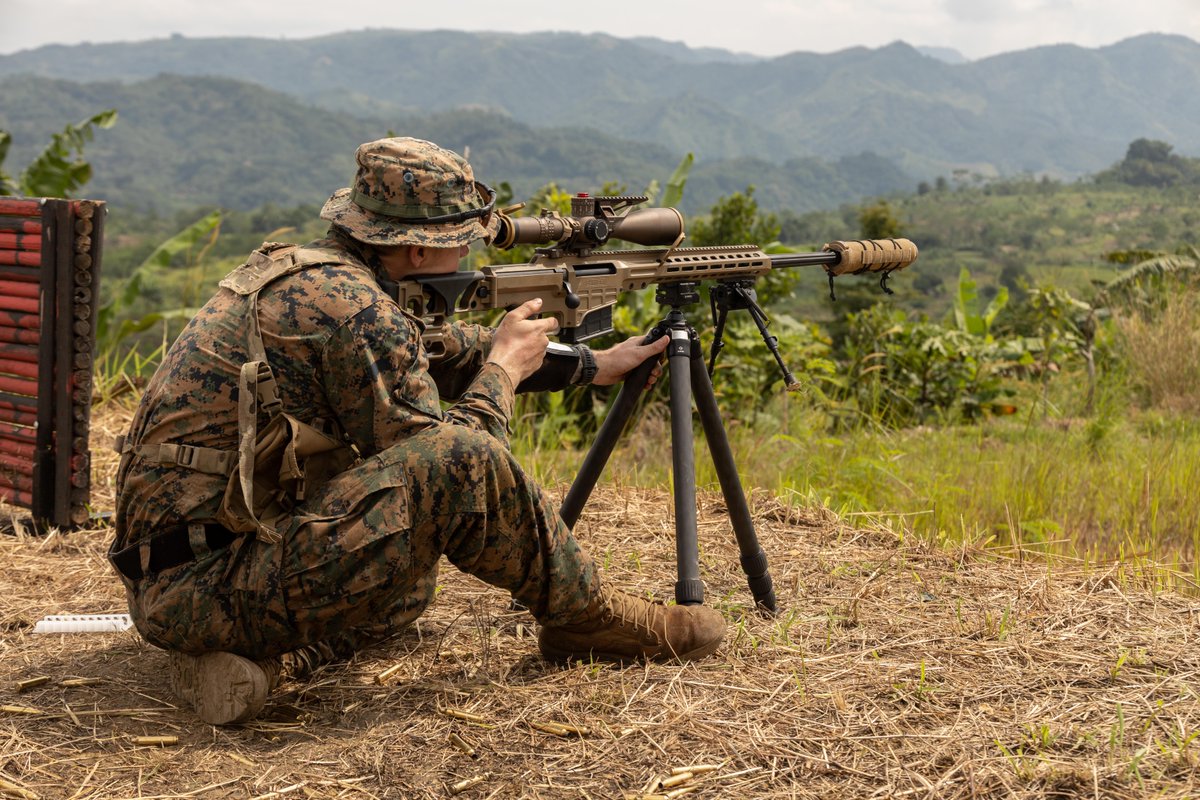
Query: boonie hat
x,y
410,191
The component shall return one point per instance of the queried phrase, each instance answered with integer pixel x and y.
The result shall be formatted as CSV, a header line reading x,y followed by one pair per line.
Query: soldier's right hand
x,y
519,345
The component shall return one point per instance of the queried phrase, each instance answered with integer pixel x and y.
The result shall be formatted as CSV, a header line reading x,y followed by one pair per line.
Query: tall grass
x,y
1161,348
1118,486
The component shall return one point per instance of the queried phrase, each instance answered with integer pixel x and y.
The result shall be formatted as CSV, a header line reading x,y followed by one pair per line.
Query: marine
x,y
298,464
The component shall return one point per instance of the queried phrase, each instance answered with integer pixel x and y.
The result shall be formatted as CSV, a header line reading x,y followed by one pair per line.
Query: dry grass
x,y
1163,353
895,670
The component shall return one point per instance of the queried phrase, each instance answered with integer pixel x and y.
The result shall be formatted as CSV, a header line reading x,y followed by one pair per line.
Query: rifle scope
x,y
592,222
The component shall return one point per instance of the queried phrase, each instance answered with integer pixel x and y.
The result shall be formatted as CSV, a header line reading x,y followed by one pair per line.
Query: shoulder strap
x,y
256,385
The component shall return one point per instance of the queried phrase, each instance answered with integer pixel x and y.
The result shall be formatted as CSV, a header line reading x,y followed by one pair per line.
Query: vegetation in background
x,y
140,302
60,169
1024,413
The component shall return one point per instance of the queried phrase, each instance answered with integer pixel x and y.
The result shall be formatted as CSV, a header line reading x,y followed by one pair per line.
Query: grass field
x,y
896,668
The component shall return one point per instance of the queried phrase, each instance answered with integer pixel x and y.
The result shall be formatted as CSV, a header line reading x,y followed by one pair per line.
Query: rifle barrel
x,y
803,259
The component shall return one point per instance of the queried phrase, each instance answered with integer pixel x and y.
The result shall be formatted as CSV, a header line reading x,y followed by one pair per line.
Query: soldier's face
x,y
421,260
440,260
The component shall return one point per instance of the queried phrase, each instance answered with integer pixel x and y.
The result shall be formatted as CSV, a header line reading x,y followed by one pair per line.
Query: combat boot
x,y
620,627
222,688
227,689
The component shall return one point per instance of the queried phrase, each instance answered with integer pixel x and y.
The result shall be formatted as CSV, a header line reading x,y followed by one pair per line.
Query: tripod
x,y
688,378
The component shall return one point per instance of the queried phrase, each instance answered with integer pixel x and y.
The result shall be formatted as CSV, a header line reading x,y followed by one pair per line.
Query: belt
x,y
169,548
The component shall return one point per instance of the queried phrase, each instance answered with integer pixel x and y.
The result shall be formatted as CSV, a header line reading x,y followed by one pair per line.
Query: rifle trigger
x,y
883,283
832,296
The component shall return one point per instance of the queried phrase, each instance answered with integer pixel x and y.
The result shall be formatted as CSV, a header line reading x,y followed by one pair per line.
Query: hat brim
x,y
371,228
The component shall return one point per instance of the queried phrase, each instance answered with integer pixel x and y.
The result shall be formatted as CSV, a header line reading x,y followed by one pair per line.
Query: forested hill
x,y
1064,110
182,142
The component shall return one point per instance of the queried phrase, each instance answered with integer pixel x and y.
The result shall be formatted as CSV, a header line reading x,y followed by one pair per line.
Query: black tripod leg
x,y
688,588
602,446
753,559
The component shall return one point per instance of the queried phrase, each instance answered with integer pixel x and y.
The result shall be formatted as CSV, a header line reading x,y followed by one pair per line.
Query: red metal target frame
x,y
49,282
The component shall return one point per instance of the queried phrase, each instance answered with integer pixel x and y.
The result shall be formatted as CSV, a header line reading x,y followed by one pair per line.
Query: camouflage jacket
x,y
342,352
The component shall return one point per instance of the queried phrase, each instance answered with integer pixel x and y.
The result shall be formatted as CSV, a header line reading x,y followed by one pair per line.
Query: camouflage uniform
x,y
355,557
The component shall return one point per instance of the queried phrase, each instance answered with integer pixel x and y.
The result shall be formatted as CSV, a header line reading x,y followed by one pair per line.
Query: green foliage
x,y
1154,278
878,221
54,172
967,314
118,319
734,220
7,185
1149,162
747,378
737,219
674,193
899,373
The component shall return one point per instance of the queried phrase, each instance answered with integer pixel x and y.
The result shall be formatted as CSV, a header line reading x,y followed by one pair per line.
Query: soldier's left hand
x,y
615,363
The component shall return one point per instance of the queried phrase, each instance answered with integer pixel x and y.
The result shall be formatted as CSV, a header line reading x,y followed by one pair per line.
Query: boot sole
x,y
222,688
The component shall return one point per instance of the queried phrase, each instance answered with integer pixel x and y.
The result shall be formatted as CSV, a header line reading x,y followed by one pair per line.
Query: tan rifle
x,y
579,283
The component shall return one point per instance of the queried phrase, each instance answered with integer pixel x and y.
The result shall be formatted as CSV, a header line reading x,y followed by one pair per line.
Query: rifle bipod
x,y
688,378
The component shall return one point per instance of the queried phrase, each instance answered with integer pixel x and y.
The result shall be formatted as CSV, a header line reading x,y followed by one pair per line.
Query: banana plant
x,y
115,321
55,173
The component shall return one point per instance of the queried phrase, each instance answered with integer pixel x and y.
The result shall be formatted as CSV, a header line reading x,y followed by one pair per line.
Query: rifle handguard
x,y
871,255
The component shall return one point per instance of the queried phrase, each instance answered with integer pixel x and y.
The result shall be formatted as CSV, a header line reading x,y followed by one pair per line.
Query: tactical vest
x,y
273,468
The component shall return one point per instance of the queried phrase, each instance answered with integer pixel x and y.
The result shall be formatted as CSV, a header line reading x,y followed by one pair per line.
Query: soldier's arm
x,y
377,379
466,351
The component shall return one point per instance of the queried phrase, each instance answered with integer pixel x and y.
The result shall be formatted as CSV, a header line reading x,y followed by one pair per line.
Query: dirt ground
x,y
895,669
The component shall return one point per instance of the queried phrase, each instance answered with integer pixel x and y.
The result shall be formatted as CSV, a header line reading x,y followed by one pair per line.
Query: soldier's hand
x,y
520,342
613,364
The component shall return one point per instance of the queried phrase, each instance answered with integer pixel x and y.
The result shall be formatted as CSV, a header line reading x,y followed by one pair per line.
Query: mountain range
x,y
808,130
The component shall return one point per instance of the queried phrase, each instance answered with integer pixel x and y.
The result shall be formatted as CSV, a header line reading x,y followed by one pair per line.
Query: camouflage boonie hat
x,y
409,191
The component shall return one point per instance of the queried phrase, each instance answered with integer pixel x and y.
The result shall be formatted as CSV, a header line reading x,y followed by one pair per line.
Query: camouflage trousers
x,y
359,560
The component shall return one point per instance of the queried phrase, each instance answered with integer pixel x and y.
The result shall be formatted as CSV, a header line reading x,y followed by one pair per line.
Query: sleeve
x,y
376,376
466,351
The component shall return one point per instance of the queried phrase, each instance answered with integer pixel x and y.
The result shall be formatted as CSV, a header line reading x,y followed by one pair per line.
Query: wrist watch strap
x,y
587,365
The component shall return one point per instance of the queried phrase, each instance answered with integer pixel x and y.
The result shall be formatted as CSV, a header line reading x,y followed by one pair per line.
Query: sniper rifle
x,y
579,282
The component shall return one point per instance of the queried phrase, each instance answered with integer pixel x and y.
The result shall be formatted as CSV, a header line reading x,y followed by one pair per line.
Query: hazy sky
x,y
975,28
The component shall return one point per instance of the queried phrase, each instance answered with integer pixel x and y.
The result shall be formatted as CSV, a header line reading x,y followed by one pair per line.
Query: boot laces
x,y
634,613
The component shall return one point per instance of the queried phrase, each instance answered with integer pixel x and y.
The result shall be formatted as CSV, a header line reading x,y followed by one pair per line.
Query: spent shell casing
x,y
558,728
696,769
388,674
462,786
83,681
30,683
156,741
463,715
20,710
462,744
676,779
